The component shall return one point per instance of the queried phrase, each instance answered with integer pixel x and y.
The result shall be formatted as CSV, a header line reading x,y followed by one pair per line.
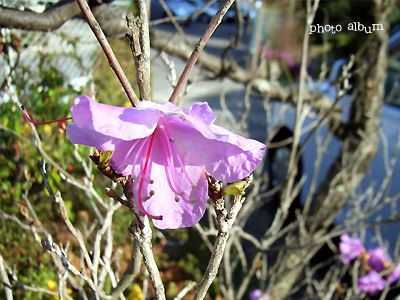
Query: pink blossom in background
x,y
350,248
167,151
378,259
395,275
257,295
281,53
372,283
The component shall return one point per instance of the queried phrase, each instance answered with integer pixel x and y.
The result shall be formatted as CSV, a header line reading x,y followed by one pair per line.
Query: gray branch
x,y
4,279
55,16
225,223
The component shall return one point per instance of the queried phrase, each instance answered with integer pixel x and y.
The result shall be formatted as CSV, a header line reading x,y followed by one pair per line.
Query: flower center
x,y
169,154
143,169
172,163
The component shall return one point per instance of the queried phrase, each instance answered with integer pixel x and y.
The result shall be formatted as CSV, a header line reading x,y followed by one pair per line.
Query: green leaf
x,y
235,189
105,157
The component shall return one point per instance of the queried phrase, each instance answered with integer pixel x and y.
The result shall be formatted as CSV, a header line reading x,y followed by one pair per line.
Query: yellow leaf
x,y
27,129
47,129
235,189
136,293
52,285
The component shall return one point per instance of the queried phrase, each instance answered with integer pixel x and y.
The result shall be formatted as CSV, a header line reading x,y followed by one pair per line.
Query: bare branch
x,y
56,249
143,238
185,290
50,19
55,16
199,47
142,59
130,273
56,197
4,279
225,223
114,64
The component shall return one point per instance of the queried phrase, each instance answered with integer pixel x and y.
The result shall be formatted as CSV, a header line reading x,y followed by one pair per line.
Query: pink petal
x,y
113,121
191,205
350,248
224,155
372,282
377,259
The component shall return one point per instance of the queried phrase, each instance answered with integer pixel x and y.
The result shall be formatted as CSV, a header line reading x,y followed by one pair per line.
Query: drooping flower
x,y
372,283
378,259
350,248
167,151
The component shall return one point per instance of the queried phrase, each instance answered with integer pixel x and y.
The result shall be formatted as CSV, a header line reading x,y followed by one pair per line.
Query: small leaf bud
x,y
110,193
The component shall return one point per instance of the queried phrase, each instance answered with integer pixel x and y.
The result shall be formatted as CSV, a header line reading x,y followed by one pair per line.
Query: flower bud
x,y
110,193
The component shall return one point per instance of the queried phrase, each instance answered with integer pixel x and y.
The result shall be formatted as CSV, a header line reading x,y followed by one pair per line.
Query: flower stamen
x,y
170,154
42,123
168,165
172,149
144,169
128,153
137,156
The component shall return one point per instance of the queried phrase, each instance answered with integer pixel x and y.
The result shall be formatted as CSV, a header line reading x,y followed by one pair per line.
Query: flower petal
x,y
350,248
113,121
372,282
224,155
395,275
126,156
182,211
91,138
378,259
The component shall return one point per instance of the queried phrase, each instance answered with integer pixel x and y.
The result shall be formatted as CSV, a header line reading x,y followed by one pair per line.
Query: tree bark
x,y
55,16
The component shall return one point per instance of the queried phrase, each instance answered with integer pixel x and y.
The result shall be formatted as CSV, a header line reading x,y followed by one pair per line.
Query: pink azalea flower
x,y
167,151
257,295
378,259
372,283
395,274
350,248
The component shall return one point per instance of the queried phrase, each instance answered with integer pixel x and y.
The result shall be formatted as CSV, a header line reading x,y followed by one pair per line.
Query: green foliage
x,y
191,264
46,97
172,289
105,79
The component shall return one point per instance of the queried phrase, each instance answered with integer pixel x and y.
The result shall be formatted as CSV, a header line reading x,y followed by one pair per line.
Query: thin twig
x,y
139,40
171,66
199,47
130,273
56,249
292,168
185,290
225,222
173,20
139,57
143,23
143,238
4,279
114,64
97,249
37,143
56,197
